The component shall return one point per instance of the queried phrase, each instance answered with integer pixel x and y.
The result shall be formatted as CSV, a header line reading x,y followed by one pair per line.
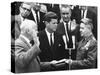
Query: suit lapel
x,y
25,42
46,39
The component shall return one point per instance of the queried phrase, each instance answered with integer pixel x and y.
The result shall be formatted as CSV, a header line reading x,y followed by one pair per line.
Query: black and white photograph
x,y
49,37
53,37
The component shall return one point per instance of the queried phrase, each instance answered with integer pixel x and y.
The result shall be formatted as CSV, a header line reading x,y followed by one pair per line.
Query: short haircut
x,y
27,25
65,6
50,15
28,3
87,21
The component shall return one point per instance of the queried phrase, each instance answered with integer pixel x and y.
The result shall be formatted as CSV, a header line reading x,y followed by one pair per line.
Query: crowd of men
x,y
52,37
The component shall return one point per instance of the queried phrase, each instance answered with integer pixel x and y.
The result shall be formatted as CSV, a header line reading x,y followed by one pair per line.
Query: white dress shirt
x,y
34,15
48,36
85,13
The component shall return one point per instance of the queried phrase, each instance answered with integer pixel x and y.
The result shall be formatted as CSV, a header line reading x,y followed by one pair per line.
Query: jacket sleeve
x,y
23,57
89,61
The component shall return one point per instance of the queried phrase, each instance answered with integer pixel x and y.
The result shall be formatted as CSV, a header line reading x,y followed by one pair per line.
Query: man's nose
x,y
25,10
66,15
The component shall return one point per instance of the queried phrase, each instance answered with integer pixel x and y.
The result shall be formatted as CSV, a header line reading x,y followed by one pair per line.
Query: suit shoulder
x,y
60,24
41,33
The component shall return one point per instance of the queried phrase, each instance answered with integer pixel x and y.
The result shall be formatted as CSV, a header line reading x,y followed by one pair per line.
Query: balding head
x,y
29,29
28,25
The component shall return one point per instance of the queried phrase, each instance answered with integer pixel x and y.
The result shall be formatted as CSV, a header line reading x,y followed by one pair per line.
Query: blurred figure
x,y
37,15
54,8
87,49
26,54
51,43
16,20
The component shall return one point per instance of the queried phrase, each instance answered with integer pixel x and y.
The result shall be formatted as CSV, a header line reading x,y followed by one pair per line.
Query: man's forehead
x,y
26,6
65,10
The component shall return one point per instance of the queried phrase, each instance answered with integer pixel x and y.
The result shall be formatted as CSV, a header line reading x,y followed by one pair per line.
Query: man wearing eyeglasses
x,y
16,20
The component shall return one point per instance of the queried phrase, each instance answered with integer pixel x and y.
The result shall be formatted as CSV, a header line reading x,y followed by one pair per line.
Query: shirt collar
x,y
48,32
65,22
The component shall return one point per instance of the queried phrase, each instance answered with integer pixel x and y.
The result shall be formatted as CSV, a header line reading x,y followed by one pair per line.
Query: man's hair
x,y
27,25
28,3
50,15
65,6
87,21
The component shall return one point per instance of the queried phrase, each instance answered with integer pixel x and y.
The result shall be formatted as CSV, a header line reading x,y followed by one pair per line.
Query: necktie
x,y
67,32
51,40
69,42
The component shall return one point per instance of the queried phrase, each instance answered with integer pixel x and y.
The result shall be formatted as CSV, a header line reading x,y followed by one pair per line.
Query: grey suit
x,y
26,57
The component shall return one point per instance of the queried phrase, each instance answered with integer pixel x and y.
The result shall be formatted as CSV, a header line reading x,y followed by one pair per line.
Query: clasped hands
x,y
62,61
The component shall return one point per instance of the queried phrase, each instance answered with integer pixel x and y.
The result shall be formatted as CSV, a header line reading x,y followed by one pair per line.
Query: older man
x,y
87,49
68,29
26,55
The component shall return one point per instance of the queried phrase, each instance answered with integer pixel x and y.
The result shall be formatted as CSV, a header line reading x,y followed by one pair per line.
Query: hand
x,y
68,61
54,62
73,25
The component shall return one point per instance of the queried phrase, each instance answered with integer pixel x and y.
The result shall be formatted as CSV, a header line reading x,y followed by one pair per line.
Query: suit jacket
x,y
48,53
26,59
86,54
61,30
41,25
55,9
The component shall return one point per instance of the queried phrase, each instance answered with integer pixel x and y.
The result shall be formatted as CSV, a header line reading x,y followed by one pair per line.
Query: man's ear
x,y
89,27
46,23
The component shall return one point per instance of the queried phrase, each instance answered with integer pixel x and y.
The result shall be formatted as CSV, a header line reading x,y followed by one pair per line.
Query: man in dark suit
x,y
68,29
87,49
51,43
37,15
26,55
